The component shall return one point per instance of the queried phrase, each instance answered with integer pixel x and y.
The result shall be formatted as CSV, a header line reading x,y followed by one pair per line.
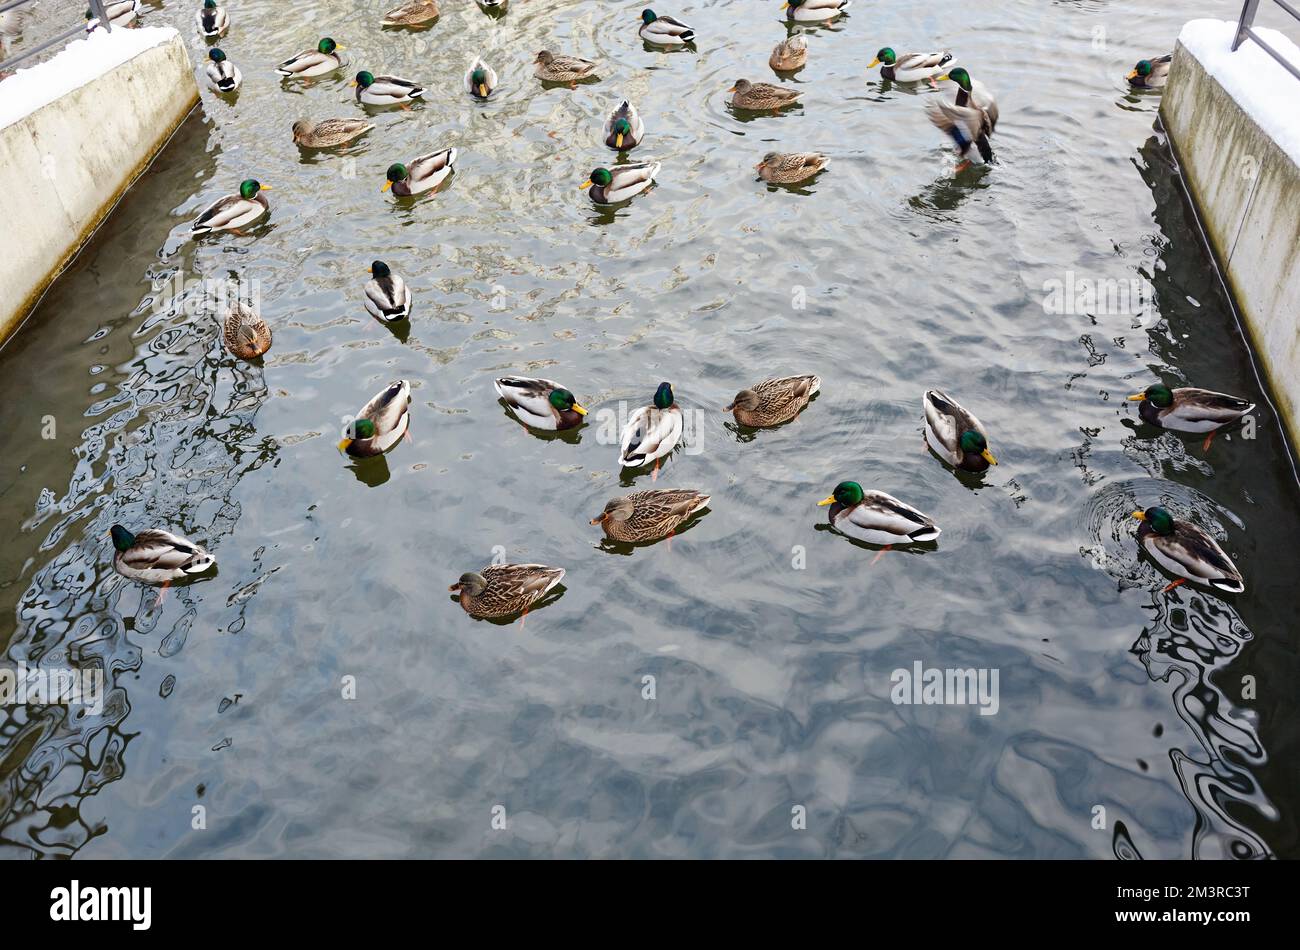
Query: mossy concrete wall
x,y
1247,195
64,166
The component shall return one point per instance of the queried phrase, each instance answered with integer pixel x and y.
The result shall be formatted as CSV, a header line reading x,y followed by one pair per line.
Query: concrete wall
x,y
64,166
1247,194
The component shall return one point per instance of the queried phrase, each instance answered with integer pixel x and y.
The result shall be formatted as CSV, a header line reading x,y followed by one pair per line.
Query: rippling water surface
x,y
770,639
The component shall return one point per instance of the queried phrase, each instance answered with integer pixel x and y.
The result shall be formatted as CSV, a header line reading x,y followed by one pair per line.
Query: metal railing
x,y
96,7
1244,30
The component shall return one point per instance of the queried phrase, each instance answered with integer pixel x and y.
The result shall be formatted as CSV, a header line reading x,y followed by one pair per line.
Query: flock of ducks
x,y
653,432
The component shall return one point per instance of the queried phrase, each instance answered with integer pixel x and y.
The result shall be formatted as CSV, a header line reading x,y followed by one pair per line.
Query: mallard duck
x,y
649,515
814,11
969,120
503,590
213,20
652,432
120,13
790,54
1150,73
911,67
1186,551
480,79
323,59
623,129
423,174
1188,409
773,401
222,74
387,296
380,423
234,211
493,5
155,556
329,133
540,403
612,185
761,96
246,334
385,90
790,168
877,517
954,434
566,69
664,30
412,13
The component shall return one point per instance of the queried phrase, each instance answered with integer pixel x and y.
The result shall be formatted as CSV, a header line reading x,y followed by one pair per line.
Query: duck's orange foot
x,y
962,167
881,553
1205,446
1172,584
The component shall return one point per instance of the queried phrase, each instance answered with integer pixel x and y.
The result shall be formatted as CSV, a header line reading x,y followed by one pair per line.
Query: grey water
x,y
729,695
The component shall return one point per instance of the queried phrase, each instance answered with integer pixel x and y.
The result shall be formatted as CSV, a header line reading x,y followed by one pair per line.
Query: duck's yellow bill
x,y
1137,397
585,184
343,444
784,6
352,83
988,457
732,89
1140,515
826,501
941,78
265,188
1132,74
618,142
387,185
482,90
598,519
579,409
874,63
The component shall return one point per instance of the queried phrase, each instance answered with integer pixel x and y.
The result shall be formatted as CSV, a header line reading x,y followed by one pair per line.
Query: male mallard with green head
x,y
612,185
540,403
1186,551
652,432
623,129
877,517
154,556
232,212
911,67
422,174
664,30
310,63
1188,409
1150,73
380,423
954,434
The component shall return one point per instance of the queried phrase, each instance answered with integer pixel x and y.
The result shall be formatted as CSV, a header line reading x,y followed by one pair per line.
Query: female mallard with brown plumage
x,y
877,517
1186,551
246,334
773,401
761,96
782,168
1188,409
329,133
649,515
154,556
503,590
565,69
790,54
412,13
540,403
380,423
954,434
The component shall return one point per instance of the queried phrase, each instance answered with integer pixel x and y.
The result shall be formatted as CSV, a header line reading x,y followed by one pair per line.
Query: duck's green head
x,y
249,187
470,583
216,55
648,16
959,76
664,396
847,494
564,400
884,55
357,429
974,443
1159,394
327,46
380,269
1158,517
621,127
209,4
364,79
599,176
792,3
122,539
1143,67
396,172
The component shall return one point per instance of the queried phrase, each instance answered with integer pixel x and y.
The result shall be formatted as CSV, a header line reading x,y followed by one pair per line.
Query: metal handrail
x,y
96,7
1244,29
